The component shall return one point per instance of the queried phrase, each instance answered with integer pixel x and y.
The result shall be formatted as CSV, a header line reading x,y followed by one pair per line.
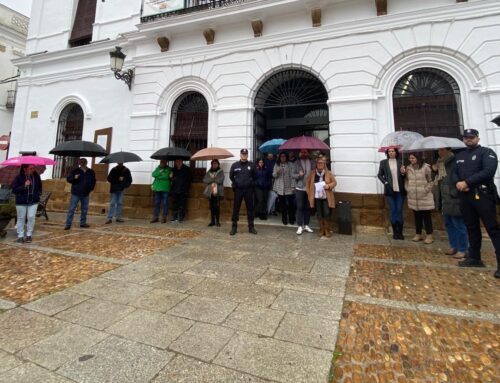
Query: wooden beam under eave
x,y
209,35
164,43
257,26
381,7
462,1
316,17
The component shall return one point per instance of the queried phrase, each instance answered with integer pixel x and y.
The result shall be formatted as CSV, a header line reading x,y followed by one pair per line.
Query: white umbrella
x,y
398,139
432,143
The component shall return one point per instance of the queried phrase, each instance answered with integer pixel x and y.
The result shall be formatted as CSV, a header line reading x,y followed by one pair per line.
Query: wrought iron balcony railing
x,y
191,6
11,99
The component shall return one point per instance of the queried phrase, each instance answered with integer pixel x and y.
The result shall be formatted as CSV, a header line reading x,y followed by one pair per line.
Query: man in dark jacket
x,y
82,180
119,178
475,171
242,176
181,181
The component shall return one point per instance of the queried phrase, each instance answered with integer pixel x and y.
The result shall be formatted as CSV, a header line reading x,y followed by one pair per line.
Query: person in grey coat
x,y
300,170
214,191
449,203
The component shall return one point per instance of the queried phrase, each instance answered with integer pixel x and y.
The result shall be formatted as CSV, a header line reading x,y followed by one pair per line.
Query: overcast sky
x,y
21,6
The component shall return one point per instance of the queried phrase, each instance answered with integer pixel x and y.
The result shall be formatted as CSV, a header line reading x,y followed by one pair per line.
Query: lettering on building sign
x,y
226,3
34,114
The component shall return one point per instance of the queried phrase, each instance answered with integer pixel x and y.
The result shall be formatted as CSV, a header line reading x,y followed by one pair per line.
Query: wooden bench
x,y
42,205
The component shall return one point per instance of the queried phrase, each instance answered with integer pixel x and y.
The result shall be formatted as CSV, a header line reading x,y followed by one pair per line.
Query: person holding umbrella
x,y
301,169
181,181
284,186
161,187
27,187
119,179
82,180
214,191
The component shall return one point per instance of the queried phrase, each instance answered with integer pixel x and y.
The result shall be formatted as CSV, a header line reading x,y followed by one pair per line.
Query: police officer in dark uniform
x,y
242,176
475,171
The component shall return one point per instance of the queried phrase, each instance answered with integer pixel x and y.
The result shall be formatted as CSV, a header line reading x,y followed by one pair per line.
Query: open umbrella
x,y
211,154
28,160
398,139
432,143
120,158
79,148
304,142
271,146
496,120
171,153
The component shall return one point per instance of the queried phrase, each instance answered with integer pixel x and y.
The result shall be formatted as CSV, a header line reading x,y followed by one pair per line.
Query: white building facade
x,y
233,73
13,32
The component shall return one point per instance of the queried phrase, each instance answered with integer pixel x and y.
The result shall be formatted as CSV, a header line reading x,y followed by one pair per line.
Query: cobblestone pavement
x,y
136,302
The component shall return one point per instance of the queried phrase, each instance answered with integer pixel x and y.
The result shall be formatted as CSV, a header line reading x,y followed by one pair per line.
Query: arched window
x,y
70,127
427,101
189,125
291,103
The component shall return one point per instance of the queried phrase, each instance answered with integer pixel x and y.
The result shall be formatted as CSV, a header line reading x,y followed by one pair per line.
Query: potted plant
x,y
7,212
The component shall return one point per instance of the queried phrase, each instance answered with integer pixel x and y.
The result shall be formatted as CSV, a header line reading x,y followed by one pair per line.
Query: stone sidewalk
x,y
187,303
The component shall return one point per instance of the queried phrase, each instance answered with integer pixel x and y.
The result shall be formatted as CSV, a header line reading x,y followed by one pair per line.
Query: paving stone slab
x,y
8,361
187,370
31,373
52,304
117,360
176,264
279,263
111,290
205,254
134,272
158,300
338,267
225,270
313,283
7,305
237,292
96,313
203,309
20,328
57,349
299,302
150,327
173,281
308,330
274,359
202,341
257,320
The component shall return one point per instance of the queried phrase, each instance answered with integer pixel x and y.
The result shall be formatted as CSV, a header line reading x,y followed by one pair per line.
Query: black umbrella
x,y
171,154
496,120
120,158
79,148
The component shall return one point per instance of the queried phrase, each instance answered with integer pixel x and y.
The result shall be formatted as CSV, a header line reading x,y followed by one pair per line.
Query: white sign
x,y
154,7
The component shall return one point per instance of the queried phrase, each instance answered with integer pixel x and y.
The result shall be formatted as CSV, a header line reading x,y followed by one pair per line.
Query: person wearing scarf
x,y
319,187
449,203
284,186
27,187
214,191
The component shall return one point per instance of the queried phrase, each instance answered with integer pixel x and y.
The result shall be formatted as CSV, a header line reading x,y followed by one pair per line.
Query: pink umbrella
x,y
304,142
9,173
28,160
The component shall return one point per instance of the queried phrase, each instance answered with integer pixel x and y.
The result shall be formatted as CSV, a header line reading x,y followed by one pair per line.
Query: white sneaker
x,y
308,229
299,230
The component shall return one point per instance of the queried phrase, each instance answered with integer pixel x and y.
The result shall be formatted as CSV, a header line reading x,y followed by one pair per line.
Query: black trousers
x,y
261,202
423,218
323,211
476,210
287,208
178,205
215,208
303,208
239,196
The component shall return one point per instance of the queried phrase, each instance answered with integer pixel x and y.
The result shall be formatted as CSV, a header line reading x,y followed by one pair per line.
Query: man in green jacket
x,y
161,186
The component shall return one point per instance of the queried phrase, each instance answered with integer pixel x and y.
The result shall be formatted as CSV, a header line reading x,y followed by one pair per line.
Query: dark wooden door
x,y
103,138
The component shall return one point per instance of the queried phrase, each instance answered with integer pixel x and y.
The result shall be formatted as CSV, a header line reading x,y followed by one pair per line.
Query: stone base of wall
x,y
367,209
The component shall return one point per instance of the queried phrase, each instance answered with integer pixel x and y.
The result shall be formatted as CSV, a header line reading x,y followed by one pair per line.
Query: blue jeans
x,y
116,202
457,232
395,202
161,198
84,206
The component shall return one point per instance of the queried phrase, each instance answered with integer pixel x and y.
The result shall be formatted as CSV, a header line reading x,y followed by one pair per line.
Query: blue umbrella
x,y
272,146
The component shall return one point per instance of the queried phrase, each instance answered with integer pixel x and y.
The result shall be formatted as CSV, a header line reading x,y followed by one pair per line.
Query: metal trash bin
x,y
344,217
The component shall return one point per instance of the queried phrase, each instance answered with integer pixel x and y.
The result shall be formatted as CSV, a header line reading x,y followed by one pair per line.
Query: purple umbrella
x,y
304,142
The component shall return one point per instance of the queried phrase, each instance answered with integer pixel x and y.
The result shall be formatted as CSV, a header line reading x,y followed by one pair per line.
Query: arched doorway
x,y
189,125
291,103
69,127
427,101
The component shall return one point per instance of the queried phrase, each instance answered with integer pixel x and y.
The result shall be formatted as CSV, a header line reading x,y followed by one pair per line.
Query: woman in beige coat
x,y
321,198
418,185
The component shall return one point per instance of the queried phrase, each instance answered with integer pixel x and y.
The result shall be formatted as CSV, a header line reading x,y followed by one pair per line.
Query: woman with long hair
x,y
284,186
214,191
391,174
418,185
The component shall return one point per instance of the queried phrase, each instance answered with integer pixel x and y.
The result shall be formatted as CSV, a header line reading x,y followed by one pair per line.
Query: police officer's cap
x,y
244,151
471,133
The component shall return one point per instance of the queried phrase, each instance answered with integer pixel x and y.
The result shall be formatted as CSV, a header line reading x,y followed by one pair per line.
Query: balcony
x,y
191,6
11,99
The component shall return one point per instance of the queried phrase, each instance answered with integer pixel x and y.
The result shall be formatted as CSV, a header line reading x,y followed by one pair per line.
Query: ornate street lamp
x,y
117,58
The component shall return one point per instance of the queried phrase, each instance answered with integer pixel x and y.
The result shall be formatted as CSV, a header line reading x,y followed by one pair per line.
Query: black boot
x,y
234,228
212,220
251,229
217,219
400,231
395,234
